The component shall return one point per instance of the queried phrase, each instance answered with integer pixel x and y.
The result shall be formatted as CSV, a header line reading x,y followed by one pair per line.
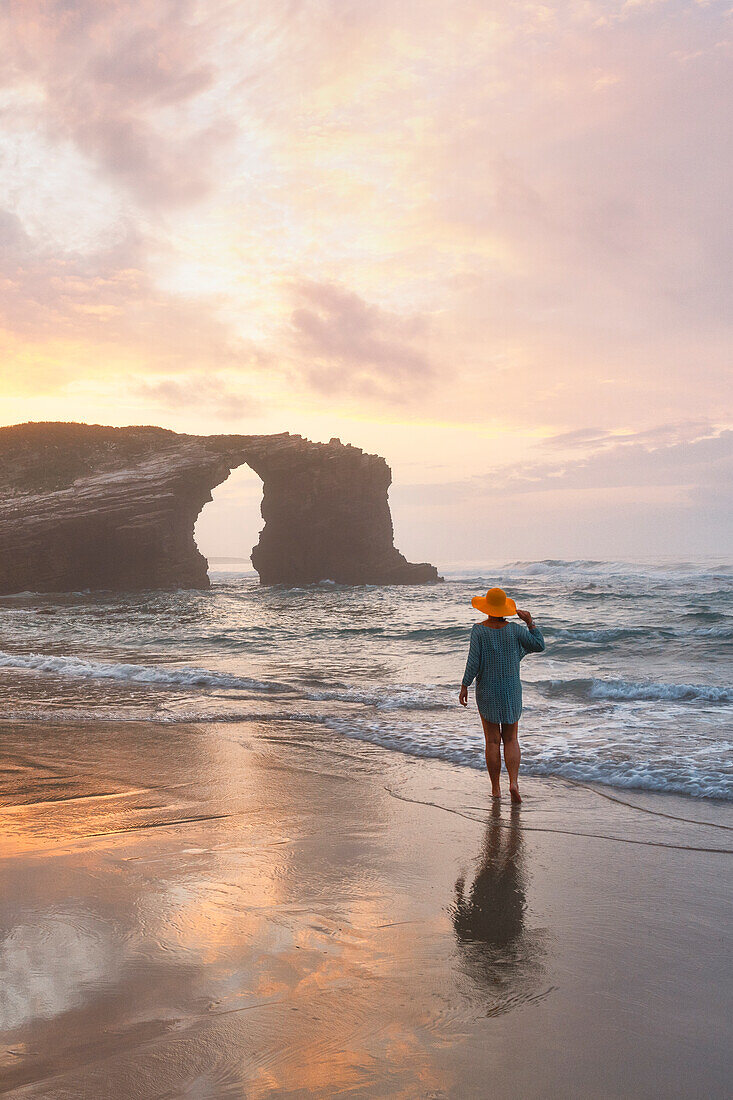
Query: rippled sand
x,y
213,911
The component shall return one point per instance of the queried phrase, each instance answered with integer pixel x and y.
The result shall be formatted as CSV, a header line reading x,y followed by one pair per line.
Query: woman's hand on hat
x,y
463,696
525,616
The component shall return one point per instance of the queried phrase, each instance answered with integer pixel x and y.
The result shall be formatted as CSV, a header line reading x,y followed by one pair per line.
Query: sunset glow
x,y
488,241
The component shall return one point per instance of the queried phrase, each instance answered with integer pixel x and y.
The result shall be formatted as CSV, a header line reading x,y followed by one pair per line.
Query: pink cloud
x,y
108,69
693,464
346,344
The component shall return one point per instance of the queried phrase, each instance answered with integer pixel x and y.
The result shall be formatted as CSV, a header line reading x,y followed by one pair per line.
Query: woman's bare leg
x,y
492,733
512,757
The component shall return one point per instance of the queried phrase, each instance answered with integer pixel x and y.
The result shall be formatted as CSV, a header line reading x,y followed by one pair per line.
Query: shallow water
x,y
635,689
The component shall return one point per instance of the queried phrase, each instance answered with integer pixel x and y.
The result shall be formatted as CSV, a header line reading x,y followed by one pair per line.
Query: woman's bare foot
x,y
496,792
515,795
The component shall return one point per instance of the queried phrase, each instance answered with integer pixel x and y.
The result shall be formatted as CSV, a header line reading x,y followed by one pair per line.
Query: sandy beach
x,y
221,911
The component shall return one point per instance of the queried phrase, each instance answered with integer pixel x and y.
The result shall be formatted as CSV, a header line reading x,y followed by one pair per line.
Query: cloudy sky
x,y
488,240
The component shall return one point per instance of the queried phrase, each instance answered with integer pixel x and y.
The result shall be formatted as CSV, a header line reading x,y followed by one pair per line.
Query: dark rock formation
x,y
84,506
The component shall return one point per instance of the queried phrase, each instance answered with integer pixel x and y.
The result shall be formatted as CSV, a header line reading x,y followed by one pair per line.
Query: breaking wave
x,y
79,668
632,690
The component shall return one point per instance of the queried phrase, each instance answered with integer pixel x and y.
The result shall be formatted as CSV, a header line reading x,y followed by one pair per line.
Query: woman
x,y
496,649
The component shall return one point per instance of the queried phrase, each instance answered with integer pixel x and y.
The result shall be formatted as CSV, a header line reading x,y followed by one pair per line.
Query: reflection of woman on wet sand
x,y
497,951
493,910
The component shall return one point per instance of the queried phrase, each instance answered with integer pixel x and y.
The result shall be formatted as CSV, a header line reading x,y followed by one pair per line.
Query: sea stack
x,y
83,506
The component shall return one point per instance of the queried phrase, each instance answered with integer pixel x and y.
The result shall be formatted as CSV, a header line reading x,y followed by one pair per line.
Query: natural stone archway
x,y
89,507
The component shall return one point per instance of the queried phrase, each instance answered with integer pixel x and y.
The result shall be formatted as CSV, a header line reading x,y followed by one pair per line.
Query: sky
x,y
489,241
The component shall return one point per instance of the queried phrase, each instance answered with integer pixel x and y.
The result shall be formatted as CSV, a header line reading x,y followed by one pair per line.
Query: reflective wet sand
x,y
214,911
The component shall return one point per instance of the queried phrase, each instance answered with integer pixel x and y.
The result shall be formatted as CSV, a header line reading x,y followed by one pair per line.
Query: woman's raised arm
x,y
530,635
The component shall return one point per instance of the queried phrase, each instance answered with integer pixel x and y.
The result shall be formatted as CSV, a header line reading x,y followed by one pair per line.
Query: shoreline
x,y
230,910
457,758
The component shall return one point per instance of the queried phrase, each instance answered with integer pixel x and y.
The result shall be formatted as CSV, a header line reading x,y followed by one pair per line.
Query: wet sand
x,y
217,911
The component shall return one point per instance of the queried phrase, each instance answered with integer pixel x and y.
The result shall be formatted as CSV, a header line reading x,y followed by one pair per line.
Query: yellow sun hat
x,y
495,603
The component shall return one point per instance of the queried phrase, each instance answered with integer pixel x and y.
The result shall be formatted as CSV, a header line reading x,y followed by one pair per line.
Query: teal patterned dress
x,y
493,662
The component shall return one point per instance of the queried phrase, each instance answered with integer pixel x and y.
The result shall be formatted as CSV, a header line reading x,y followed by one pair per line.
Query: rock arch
x,y
90,507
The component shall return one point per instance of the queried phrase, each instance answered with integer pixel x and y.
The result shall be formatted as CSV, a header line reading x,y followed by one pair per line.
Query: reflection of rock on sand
x,y
497,951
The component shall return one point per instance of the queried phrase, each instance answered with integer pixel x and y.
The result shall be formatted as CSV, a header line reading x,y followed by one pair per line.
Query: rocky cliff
x,y
84,506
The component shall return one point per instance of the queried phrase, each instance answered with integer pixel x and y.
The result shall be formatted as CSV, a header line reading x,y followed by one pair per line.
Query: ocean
x,y
634,691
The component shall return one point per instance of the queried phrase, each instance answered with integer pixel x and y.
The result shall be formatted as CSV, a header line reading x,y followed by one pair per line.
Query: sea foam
x,y
80,668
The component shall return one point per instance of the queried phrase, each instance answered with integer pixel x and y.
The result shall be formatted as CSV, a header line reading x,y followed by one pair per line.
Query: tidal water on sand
x,y
634,690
